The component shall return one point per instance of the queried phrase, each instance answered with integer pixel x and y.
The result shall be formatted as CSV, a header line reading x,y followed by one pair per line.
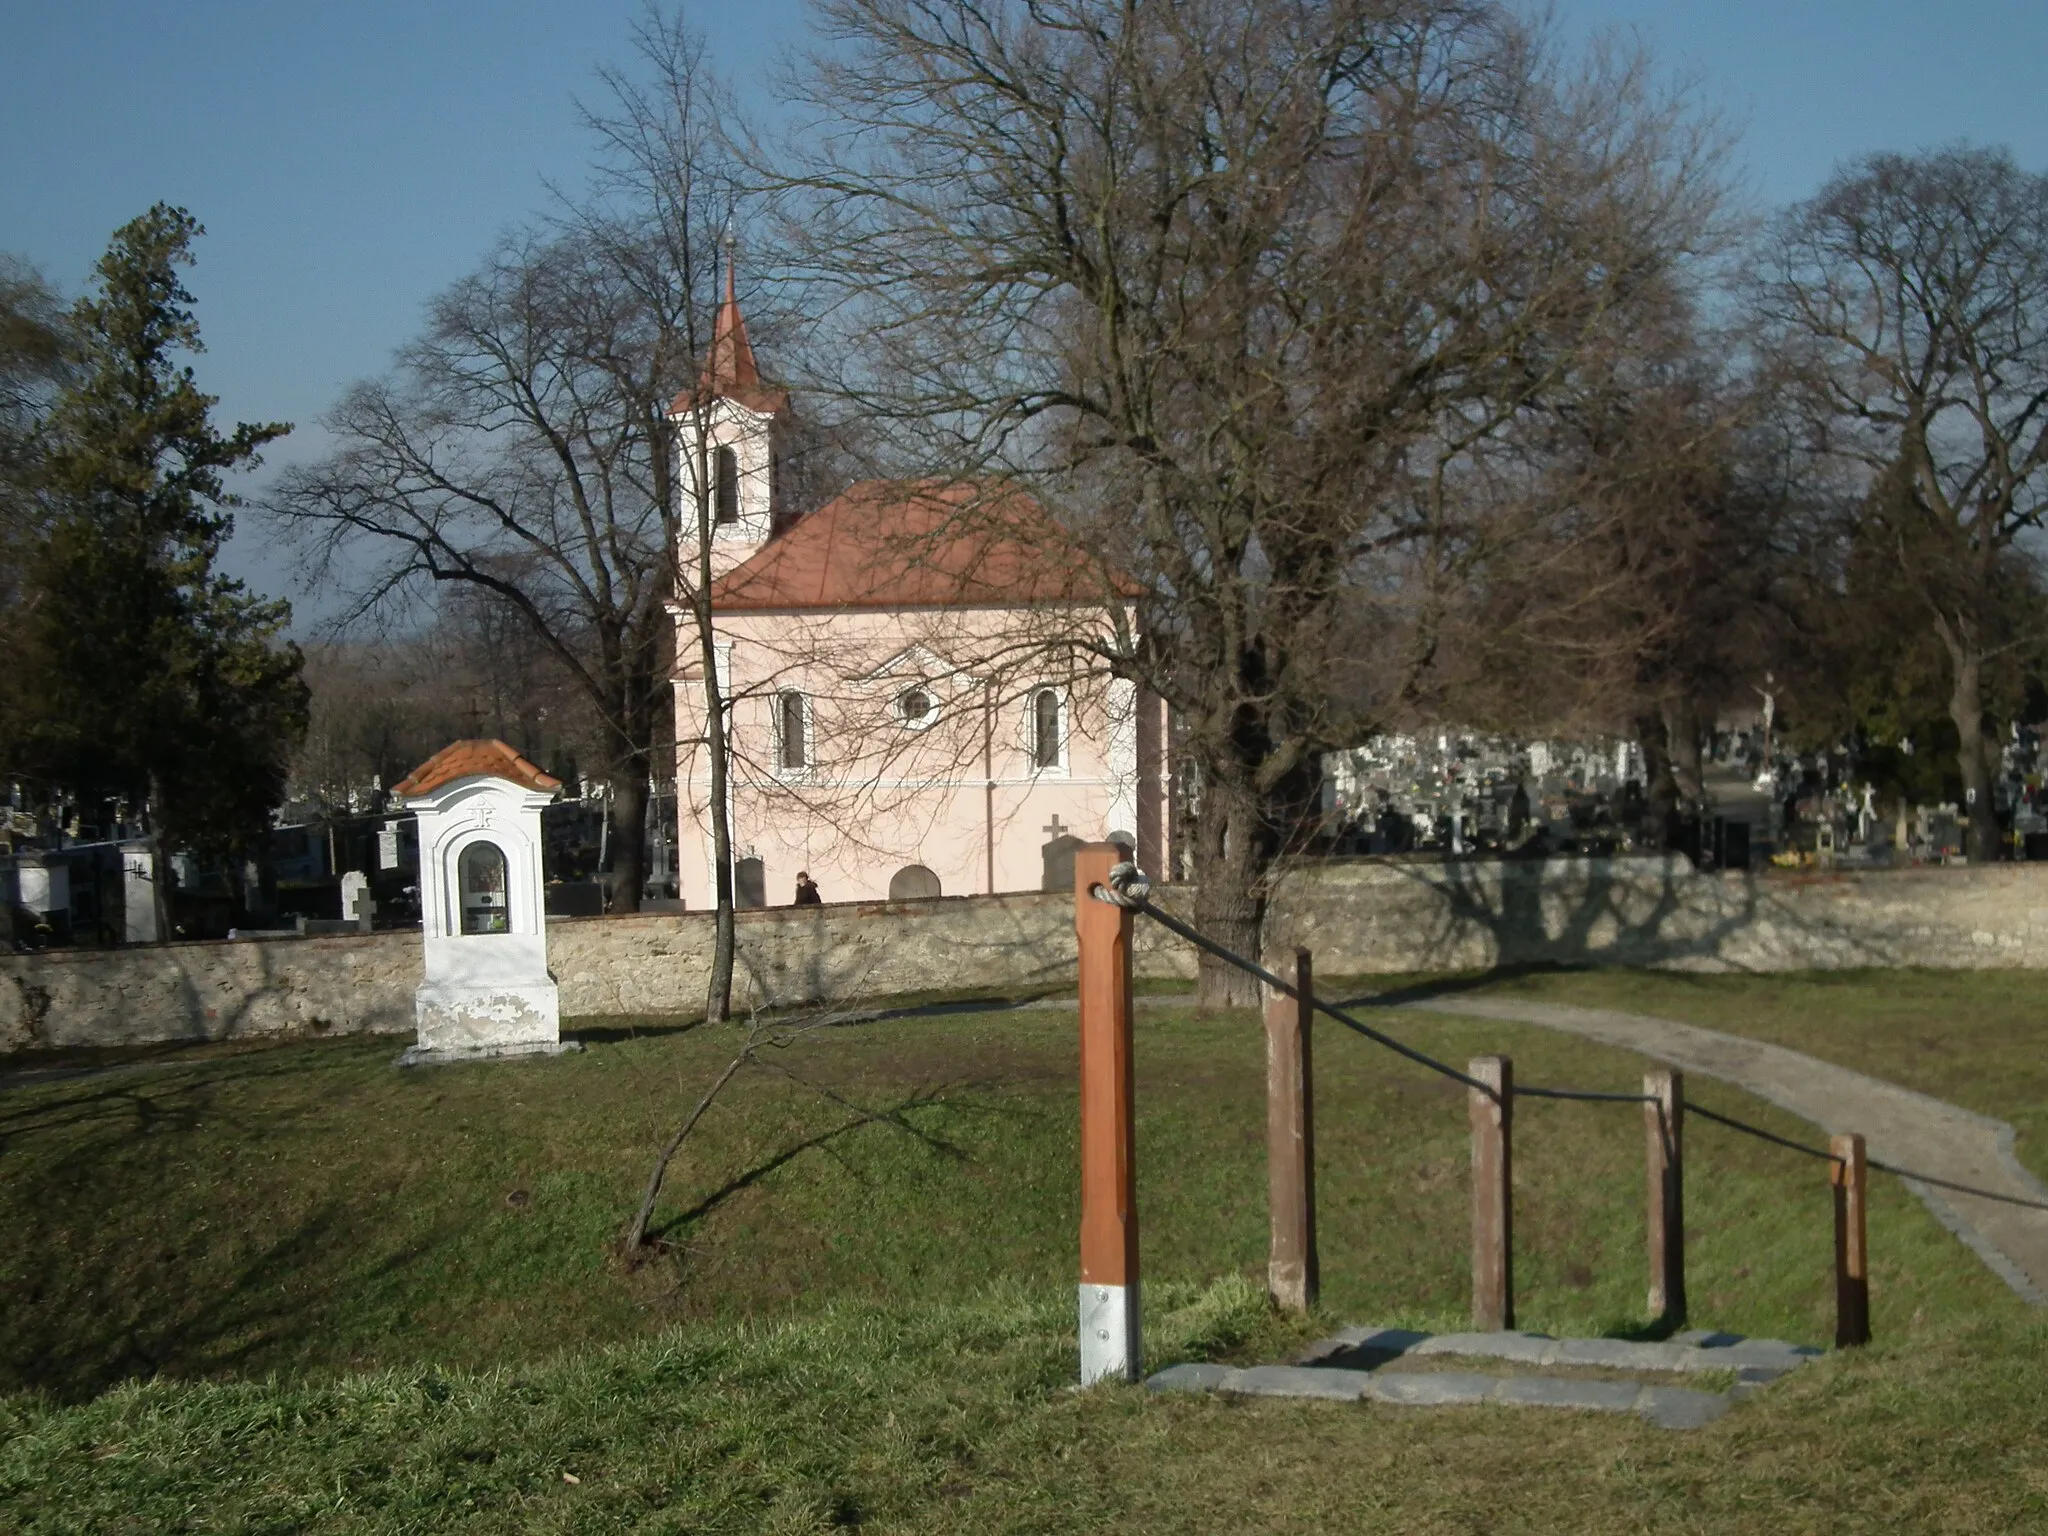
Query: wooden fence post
x,y
1493,1229
1664,1129
1291,1272
1110,1338
1850,1174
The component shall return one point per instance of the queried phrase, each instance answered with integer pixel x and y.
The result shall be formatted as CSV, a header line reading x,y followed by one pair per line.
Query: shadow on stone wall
x,y
1652,913
202,991
838,954
1579,912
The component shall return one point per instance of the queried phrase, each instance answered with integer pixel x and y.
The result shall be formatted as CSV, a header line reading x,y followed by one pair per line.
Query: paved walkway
x,y
1376,1365
1899,1126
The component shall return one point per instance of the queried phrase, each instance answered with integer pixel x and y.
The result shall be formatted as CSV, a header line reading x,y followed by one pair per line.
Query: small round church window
x,y
917,708
480,880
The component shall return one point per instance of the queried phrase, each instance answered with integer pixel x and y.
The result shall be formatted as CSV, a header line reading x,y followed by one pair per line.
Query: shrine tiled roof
x,y
473,759
918,543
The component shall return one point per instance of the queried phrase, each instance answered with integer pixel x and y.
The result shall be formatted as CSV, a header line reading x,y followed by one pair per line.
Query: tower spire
x,y
730,372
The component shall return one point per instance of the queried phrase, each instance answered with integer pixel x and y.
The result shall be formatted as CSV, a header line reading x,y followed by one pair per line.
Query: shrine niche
x,y
487,990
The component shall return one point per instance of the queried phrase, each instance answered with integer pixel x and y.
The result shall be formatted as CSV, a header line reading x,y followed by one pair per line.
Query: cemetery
x,y
1057,767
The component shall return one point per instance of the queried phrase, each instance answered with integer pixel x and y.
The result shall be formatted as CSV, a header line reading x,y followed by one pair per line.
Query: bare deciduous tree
x,y
1652,595
517,449
1247,291
524,445
1910,301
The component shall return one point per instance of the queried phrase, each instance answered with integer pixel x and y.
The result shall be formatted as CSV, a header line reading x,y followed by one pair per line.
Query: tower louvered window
x,y
725,485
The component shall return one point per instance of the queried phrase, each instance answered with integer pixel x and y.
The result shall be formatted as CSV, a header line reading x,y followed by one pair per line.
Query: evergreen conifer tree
x,y
151,675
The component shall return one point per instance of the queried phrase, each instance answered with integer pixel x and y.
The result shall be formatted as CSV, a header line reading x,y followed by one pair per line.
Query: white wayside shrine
x,y
487,991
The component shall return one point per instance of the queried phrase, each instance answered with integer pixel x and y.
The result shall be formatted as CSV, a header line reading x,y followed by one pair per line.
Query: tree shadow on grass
x,y
894,1115
136,1326
648,1027
127,1107
130,1106
663,1026
1452,986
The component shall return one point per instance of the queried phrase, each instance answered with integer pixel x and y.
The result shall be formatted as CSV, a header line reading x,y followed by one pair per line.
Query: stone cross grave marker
x,y
357,905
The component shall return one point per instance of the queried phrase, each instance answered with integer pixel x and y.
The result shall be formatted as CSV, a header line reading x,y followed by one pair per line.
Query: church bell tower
x,y
728,432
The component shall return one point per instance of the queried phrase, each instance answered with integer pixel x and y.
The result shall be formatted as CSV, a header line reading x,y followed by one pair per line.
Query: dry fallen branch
x,y
761,1035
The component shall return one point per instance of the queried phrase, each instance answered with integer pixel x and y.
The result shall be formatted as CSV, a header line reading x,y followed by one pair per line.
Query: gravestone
x,y
1058,856
576,898
487,990
138,893
1059,864
750,883
357,906
913,882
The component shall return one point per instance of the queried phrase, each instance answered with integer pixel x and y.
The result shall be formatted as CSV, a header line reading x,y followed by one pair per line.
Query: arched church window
x,y
725,484
792,731
1046,742
481,888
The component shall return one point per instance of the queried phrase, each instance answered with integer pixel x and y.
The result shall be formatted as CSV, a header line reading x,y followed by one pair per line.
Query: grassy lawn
x,y
1979,1039
371,1300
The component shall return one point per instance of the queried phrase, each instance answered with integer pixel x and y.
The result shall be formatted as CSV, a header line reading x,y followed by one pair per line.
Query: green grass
x,y
343,1297
1978,1038
955,1417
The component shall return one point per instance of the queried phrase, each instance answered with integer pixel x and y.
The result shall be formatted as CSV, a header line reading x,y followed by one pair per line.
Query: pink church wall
x,y
961,797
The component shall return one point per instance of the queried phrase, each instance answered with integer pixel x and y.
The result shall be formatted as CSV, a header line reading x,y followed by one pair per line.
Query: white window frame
x,y
778,724
932,711
1063,765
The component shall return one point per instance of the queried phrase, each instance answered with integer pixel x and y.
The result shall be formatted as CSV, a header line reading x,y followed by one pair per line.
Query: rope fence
x,y
1101,880
1582,1095
1693,1107
1133,897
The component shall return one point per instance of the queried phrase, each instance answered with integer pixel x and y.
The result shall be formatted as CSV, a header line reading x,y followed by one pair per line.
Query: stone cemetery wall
x,y
1359,917
1375,916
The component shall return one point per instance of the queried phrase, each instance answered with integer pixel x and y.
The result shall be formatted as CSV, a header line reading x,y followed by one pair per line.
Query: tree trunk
x,y
1233,862
1660,792
1966,709
159,861
1682,732
718,992
718,995
629,833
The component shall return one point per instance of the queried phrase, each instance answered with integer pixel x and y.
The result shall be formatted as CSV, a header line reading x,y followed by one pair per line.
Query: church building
x,y
913,711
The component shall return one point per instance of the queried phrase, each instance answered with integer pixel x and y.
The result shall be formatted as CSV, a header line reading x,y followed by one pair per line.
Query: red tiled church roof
x,y
730,372
917,543
471,759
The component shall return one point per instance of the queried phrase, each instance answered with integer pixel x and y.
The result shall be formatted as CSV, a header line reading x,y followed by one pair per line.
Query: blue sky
x,y
348,160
